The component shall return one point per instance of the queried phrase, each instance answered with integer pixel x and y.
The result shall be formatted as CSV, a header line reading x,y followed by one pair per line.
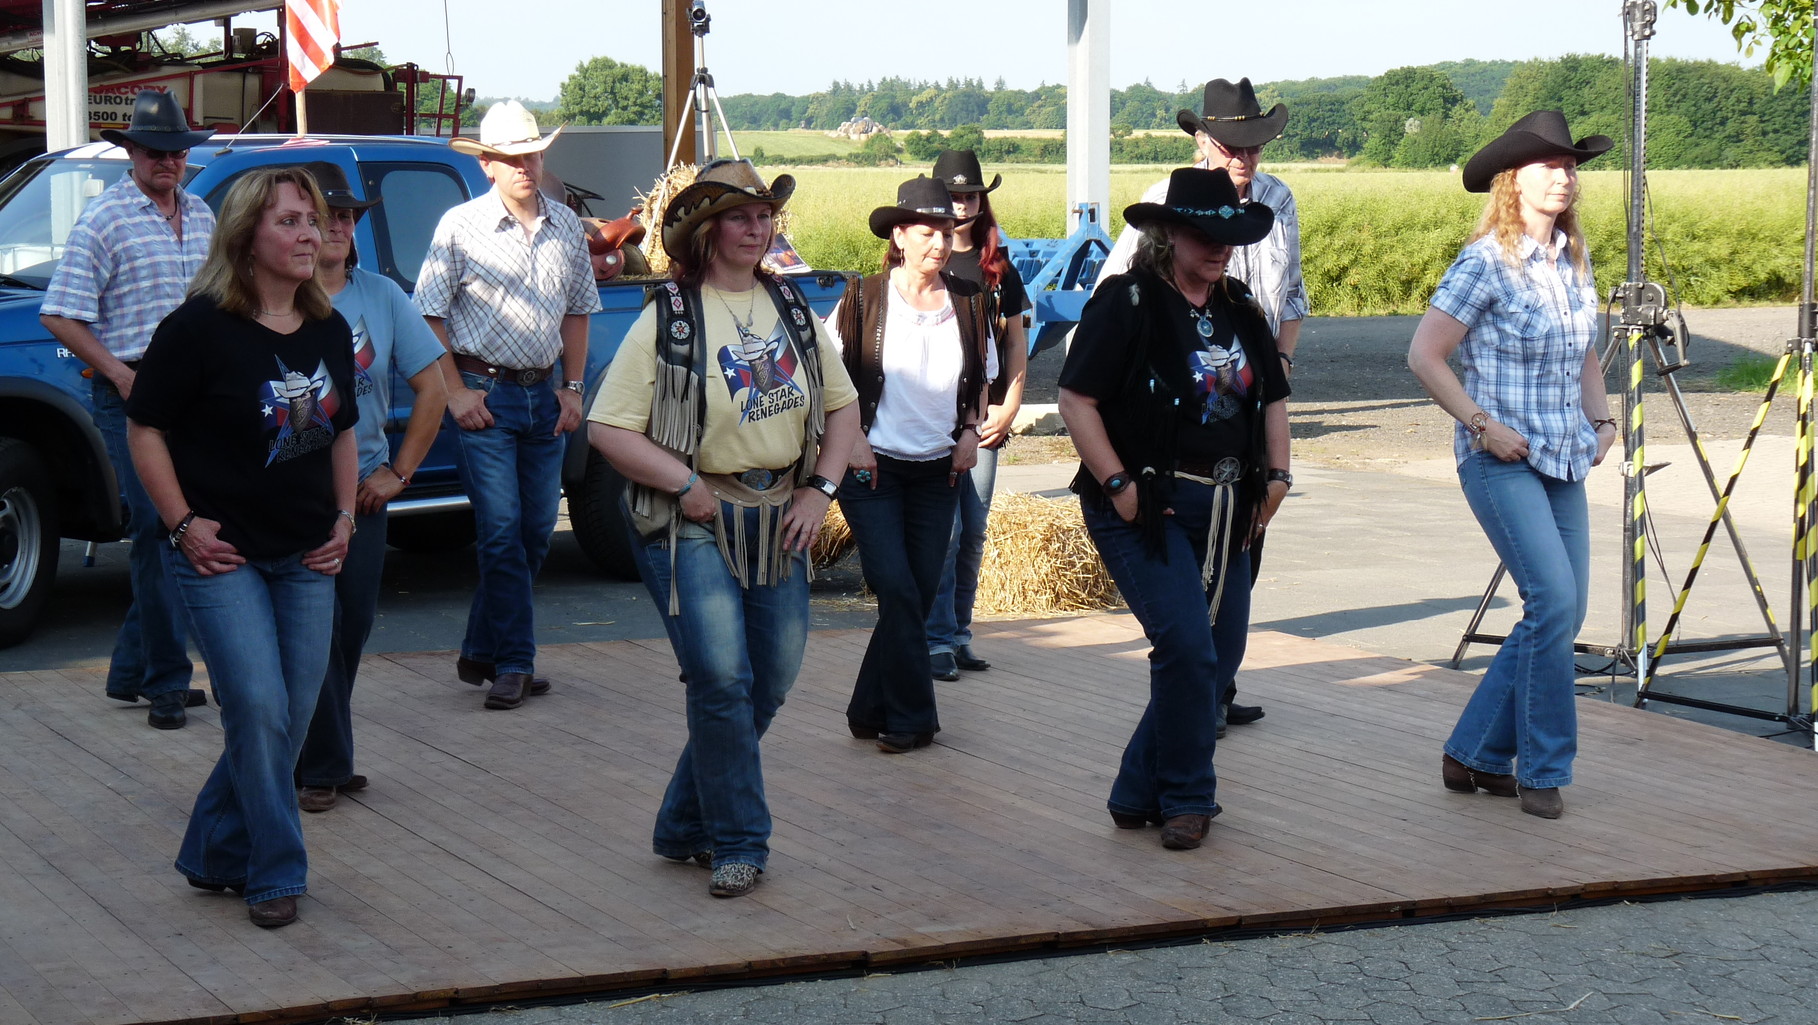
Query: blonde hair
x,y
1502,218
226,276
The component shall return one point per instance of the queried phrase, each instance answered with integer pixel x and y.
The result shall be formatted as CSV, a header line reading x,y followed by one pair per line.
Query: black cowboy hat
x,y
158,124
336,191
720,186
959,169
1233,117
1537,136
1206,201
919,199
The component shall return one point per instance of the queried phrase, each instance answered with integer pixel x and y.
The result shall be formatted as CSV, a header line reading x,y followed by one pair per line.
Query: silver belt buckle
x,y
1228,470
529,377
758,480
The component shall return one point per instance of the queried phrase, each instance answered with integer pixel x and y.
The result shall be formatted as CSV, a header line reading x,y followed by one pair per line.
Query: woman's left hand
x,y
965,456
1606,436
802,523
328,559
1272,499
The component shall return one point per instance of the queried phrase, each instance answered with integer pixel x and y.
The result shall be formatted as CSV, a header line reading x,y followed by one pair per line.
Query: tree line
x,y
1701,113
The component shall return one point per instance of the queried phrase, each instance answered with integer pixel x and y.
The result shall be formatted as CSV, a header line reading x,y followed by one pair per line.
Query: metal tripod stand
x,y
703,98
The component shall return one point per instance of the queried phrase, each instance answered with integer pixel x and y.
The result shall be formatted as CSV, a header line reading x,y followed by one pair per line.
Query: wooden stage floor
x,y
505,856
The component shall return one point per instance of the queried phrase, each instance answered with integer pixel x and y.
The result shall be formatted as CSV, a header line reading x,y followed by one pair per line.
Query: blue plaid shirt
x,y
1527,330
123,268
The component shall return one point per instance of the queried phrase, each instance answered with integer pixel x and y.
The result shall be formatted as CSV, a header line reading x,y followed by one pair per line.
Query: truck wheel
x,y
430,532
28,540
593,515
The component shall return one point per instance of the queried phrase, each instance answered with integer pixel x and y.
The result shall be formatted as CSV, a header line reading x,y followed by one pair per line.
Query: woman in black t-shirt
x,y
241,428
979,257
1175,398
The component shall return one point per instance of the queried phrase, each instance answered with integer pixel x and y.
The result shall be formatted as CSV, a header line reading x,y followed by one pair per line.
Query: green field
x,y
1376,242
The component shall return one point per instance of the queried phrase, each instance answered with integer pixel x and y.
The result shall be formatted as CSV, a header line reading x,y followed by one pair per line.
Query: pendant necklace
x,y
746,335
1203,320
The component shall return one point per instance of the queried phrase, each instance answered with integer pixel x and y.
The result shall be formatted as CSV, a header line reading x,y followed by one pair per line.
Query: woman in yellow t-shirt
x,y
726,513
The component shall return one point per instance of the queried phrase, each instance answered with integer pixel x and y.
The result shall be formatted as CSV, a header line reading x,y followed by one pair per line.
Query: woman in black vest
x,y
1175,397
729,412
915,342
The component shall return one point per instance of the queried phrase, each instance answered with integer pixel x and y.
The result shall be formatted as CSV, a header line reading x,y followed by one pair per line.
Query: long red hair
x,y
992,260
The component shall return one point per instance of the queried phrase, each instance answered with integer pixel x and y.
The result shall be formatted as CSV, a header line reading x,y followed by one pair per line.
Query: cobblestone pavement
x,y
1738,959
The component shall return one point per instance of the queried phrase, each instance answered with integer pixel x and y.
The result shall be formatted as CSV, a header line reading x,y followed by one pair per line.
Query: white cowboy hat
x,y
507,130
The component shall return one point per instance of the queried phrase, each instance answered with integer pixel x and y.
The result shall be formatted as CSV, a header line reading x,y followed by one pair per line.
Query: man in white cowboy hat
x,y
1231,134
508,288
129,260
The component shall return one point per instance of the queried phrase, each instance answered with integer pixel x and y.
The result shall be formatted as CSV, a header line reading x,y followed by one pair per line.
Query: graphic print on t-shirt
x,y
1221,378
760,375
362,356
298,409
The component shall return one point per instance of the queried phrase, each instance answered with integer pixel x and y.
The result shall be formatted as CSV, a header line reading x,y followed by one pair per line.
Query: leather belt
x,y
1228,470
764,480
475,365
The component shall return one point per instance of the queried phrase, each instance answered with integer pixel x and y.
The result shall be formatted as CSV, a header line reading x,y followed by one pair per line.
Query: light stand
x,y
702,94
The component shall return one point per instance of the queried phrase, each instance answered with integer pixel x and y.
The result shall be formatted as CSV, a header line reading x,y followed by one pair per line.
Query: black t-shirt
x,y
1217,379
1010,297
249,416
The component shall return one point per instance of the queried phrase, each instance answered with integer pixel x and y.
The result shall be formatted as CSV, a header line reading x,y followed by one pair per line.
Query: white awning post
x,y
1088,107
65,74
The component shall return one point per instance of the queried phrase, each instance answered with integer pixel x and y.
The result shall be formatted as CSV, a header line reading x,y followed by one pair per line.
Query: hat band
x,y
943,211
1224,212
1259,116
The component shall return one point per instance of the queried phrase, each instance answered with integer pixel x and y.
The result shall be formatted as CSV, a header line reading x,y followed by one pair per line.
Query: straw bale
x,y
1039,559
834,541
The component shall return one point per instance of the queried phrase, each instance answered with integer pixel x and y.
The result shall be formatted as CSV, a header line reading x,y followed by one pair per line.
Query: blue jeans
x,y
1167,766
327,756
951,621
1521,718
740,650
263,629
151,651
902,528
513,475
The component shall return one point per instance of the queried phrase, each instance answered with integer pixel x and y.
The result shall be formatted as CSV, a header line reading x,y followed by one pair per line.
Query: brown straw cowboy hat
x,y
507,130
720,186
919,199
1233,117
1206,201
1537,136
157,124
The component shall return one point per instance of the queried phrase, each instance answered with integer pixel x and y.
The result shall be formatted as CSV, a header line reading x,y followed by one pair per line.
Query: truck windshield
x,y
39,203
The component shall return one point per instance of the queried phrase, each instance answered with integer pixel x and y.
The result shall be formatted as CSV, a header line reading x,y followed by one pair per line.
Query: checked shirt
x,y
504,294
1528,327
123,269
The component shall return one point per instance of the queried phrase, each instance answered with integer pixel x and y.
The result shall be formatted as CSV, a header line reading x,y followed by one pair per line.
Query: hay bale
x,y
834,541
1039,560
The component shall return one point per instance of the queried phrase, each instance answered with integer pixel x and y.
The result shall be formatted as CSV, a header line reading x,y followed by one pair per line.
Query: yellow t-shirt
x,y
756,387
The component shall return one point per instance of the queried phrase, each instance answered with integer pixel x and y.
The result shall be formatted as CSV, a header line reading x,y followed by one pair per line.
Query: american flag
x,y
311,28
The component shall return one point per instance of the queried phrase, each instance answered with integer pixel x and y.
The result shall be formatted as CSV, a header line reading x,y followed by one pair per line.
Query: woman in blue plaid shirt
x,y
1519,309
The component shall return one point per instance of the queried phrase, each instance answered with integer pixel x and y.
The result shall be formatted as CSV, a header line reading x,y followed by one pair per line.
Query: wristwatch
x,y
578,387
1280,475
1115,484
822,484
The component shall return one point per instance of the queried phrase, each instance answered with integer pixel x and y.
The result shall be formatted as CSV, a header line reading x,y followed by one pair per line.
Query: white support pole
x,y
65,74
1088,106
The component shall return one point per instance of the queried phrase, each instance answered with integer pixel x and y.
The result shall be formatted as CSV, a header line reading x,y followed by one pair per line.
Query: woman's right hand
x,y
699,504
203,546
1504,442
865,460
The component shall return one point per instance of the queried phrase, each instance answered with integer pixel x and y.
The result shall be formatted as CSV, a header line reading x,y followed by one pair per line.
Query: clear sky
x,y
800,46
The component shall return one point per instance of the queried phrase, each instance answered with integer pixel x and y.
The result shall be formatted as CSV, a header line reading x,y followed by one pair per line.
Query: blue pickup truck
x,y
55,479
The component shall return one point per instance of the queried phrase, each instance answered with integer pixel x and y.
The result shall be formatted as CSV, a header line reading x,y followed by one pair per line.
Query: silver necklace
x,y
744,327
1203,320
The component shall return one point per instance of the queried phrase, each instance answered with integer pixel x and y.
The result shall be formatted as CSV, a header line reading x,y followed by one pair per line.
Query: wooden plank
x,y
502,856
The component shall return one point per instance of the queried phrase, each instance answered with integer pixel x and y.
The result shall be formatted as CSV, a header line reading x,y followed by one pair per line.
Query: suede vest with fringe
x,y
678,416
